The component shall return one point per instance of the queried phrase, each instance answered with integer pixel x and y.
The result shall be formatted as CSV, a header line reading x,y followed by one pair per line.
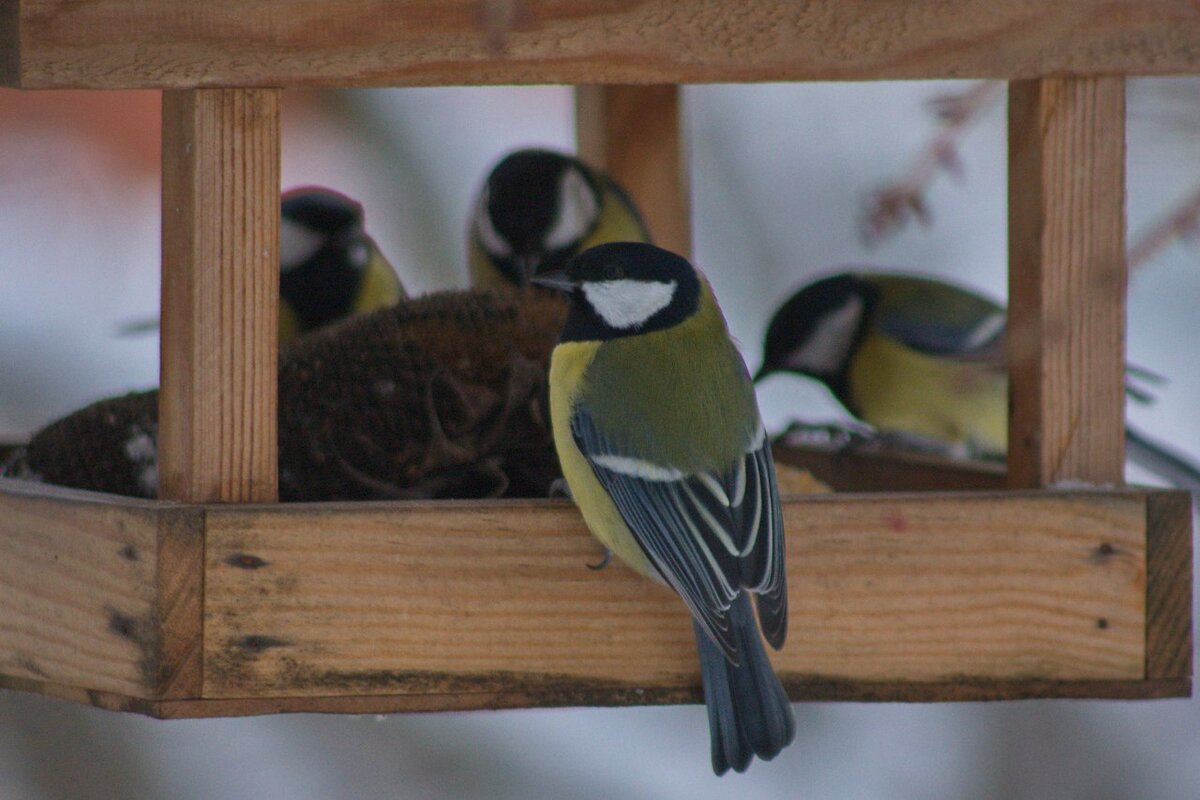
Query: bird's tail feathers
x,y
748,711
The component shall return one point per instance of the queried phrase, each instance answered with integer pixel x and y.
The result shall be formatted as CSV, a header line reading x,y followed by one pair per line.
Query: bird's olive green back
x,y
680,397
908,302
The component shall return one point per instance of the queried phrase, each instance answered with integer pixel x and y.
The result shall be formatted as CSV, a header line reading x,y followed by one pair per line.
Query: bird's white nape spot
x,y
637,468
827,348
297,244
485,230
577,210
628,303
359,255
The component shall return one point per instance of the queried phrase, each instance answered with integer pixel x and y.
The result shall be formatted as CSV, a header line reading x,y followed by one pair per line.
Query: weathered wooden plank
x,y
634,133
217,408
182,44
892,471
1066,234
1169,586
481,598
1010,596
79,602
179,602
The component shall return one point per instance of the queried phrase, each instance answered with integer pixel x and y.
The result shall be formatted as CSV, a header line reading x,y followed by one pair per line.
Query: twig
x,y
1182,222
892,206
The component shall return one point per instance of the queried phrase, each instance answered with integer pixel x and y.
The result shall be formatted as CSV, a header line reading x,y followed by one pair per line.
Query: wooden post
x,y
1066,245
220,294
220,305
634,133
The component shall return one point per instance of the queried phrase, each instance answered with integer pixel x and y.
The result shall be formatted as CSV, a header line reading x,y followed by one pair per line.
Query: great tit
x,y
329,268
916,355
904,353
659,437
536,209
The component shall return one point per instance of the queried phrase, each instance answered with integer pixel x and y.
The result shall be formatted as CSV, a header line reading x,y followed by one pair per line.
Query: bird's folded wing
x,y
709,534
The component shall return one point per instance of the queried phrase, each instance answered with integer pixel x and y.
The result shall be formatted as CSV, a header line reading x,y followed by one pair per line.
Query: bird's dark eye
x,y
613,272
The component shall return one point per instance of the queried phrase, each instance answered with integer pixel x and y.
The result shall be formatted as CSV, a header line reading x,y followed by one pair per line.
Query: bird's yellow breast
x,y
380,286
897,388
568,372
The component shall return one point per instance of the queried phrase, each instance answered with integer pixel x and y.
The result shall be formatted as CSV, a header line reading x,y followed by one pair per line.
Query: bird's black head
x,y
323,251
818,329
534,211
626,288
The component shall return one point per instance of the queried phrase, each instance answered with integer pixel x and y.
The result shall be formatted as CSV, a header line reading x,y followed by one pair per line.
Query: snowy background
x,y
779,175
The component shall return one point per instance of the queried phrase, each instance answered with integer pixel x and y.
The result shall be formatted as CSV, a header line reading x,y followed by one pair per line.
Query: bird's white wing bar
x,y
637,468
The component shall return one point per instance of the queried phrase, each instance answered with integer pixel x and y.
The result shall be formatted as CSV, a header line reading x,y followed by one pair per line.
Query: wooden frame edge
x,y
800,690
1169,586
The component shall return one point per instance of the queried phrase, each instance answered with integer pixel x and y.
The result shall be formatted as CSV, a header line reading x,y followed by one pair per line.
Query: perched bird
x,y
658,434
329,268
538,208
903,353
916,355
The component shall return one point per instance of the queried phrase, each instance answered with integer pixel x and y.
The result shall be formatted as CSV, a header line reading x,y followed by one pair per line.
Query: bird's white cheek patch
x,y
489,237
297,244
577,208
628,303
829,345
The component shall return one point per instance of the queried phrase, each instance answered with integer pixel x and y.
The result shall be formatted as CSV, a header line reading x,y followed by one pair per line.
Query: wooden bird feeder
x,y
216,601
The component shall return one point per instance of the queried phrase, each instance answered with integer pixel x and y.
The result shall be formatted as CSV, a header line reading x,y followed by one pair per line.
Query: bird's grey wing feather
x,y
709,535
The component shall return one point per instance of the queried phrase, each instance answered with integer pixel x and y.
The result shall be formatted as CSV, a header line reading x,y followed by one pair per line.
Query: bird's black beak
x,y
527,267
554,279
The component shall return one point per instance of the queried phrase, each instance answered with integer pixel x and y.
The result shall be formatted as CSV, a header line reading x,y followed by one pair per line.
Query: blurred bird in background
x,y
920,357
329,266
658,433
536,209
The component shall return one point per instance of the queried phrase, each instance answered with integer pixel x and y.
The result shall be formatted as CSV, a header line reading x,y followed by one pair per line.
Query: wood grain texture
x,y
182,44
78,591
864,471
904,598
634,133
179,602
1169,586
470,598
217,407
1066,234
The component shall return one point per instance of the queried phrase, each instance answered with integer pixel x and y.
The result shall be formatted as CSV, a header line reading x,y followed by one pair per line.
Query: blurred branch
x,y
892,206
1182,222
